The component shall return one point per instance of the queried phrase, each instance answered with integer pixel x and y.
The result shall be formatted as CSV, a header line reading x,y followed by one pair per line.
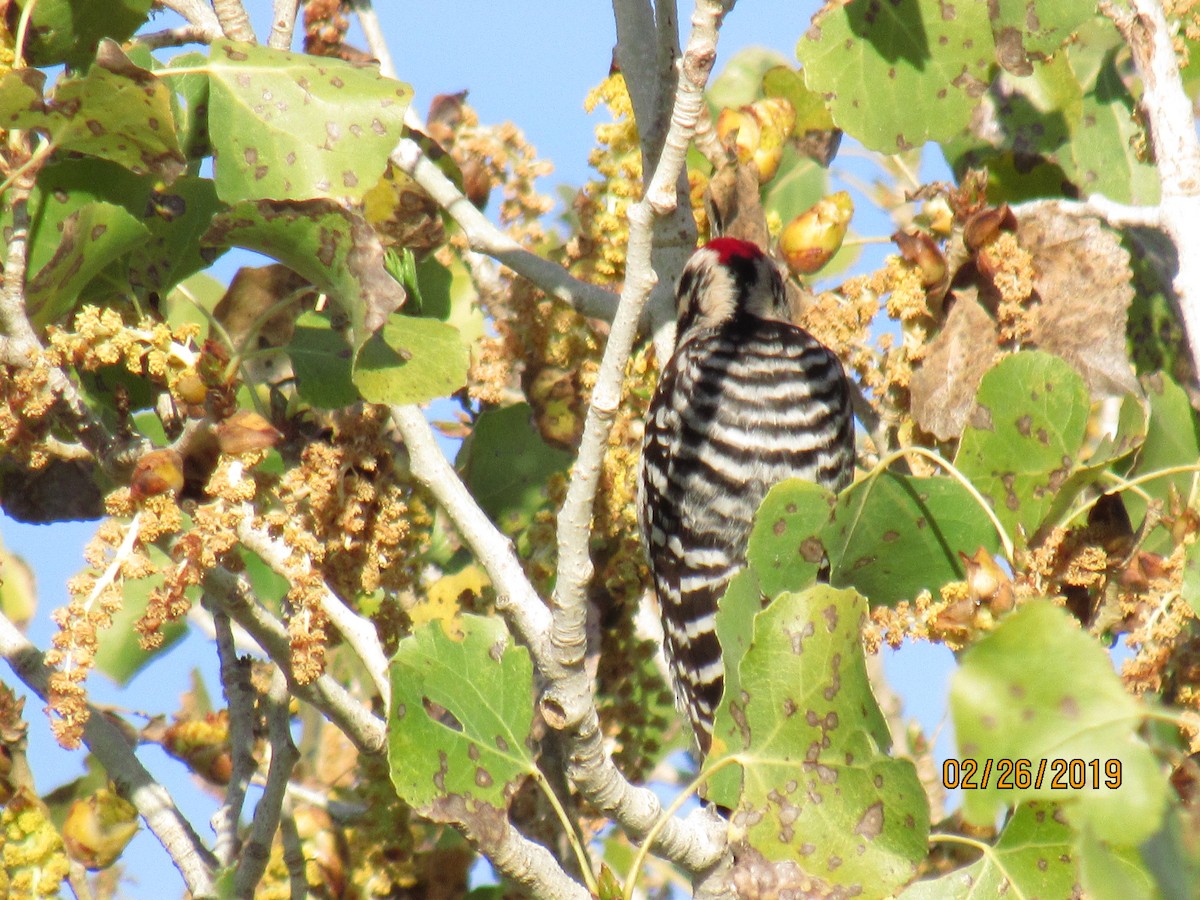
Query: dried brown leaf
x,y
943,387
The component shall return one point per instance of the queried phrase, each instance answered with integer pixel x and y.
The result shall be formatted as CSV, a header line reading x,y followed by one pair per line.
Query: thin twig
x,y
359,724
234,21
239,696
283,24
174,37
284,756
198,14
131,778
293,851
484,237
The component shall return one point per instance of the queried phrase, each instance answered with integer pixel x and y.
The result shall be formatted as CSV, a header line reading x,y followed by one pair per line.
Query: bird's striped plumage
x,y
747,400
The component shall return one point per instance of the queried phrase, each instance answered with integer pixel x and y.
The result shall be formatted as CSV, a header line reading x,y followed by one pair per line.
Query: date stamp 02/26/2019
x,y
1022,774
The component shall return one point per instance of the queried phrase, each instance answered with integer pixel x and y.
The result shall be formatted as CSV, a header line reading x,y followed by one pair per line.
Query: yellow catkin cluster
x,y
25,402
1013,275
597,251
96,597
511,162
1186,13
370,524
35,860
101,337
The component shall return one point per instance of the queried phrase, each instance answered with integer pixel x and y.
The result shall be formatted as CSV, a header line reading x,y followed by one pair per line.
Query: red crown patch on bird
x,y
728,249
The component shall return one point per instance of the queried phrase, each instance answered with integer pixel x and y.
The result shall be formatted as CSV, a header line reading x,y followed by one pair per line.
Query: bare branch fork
x,y
557,641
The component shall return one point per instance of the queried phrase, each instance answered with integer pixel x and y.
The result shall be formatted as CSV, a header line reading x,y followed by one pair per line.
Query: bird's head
x,y
725,279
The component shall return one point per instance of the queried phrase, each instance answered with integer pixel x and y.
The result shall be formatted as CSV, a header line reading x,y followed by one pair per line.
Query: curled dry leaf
x,y
943,387
1083,287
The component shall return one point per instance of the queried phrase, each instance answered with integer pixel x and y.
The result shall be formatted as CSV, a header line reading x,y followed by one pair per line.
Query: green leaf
x,y
1038,688
785,548
455,742
1022,439
67,31
411,360
812,112
322,361
895,535
902,73
89,239
120,655
1171,441
507,465
741,81
1032,858
324,242
18,590
189,103
1112,873
1025,28
117,111
289,126
818,787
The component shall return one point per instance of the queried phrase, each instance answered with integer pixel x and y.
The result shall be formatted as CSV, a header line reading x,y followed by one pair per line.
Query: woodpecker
x,y
746,400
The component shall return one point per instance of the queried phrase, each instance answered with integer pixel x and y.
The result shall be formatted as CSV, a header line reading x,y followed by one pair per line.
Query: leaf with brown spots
x,y
898,73
1033,29
1038,688
813,783
458,725
335,249
894,535
288,126
1031,858
1024,437
785,549
117,111
943,385
89,239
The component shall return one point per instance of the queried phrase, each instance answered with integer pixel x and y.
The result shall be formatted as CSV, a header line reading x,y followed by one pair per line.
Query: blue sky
x,y
532,62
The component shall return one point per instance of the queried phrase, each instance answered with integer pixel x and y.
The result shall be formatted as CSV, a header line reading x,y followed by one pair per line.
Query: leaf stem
x,y
987,850
581,854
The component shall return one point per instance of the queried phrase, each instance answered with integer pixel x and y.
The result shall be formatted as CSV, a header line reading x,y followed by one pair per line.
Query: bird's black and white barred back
x,y
747,400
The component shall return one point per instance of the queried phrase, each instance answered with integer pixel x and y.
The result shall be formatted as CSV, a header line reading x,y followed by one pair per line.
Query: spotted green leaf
x,y
901,73
812,782
89,238
411,360
324,242
1031,858
1038,688
894,535
117,111
1034,28
458,724
1024,435
785,549
288,126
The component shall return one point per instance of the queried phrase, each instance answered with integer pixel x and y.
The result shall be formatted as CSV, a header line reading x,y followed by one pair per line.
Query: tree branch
x,y
131,778
232,593
484,237
283,24
284,757
636,809
234,21
174,37
357,631
1097,206
198,14
1168,110
239,697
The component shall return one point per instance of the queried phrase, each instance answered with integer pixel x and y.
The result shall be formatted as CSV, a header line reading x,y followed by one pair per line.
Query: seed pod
x,y
158,472
99,828
812,238
245,431
920,249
